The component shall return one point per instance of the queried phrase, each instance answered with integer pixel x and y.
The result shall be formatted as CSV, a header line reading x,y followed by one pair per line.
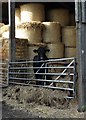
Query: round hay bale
x,y
59,15
32,12
56,50
52,32
72,19
69,36
70,52
17,16
5,31
31,31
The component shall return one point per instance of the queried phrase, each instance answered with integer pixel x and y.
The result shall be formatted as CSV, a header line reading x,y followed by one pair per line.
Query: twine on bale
x,y
32,25
31,31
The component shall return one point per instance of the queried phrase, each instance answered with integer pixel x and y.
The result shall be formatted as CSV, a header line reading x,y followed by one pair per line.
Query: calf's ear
x,y
47,50
35,50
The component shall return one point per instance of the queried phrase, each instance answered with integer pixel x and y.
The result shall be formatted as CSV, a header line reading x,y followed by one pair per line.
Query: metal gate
x,y
62,73
4,74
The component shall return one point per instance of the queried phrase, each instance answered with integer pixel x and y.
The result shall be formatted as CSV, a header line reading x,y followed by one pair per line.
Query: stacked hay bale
x,y
17,16
1,42
31,31
60,15
1,24
4,30
69,39
21,49
32,12
52,37
31,28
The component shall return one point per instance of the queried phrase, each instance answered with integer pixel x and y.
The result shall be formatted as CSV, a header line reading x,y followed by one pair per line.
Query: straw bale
x,y
32,24
17,16
52,32
4,30
70,52
56,50
59,15
31,31
21,49
69,35
32,12
1,24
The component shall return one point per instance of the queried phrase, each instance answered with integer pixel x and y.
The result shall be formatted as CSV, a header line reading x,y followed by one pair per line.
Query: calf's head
x,y
41,51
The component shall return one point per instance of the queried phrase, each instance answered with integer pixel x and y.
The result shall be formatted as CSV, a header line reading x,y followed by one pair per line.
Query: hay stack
x,y
4,30
1,24
21,49
52,32
59,15
31,31
70,52
32,12
17,16
5,50
69,36
56,50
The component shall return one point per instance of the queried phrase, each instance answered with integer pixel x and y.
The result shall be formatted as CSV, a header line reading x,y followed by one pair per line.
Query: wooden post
x,y
81,53
12,31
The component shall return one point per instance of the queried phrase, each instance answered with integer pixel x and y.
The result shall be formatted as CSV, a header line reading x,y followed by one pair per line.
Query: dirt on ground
x,y
40,102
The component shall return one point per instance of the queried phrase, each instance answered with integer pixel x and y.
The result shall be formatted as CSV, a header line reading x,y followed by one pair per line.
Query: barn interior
x,y
48,5
69,18
65,47
47,24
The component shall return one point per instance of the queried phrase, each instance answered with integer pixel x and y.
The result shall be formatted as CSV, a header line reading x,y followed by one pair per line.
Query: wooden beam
x,y
81,55
12,32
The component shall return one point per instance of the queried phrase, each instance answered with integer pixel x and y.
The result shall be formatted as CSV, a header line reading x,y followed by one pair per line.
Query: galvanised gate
x,y
62,71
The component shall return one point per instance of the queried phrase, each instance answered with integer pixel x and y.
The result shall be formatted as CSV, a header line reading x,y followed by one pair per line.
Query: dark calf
x,y
40,57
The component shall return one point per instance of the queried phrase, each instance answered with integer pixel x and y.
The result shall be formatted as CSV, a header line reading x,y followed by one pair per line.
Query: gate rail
x,y
22,73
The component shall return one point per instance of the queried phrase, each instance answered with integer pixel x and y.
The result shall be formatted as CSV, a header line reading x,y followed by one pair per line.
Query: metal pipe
x,y
59,88
23,73
43,60
59,81
15,68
